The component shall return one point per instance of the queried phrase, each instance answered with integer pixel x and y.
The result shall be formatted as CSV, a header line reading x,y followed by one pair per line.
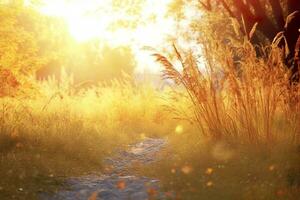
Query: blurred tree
x,y
268,18
29,40
33,43
96,61
269,15
92,61
261,21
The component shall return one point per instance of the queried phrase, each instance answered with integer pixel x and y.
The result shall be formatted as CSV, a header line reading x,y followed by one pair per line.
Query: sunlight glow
x,y
137,23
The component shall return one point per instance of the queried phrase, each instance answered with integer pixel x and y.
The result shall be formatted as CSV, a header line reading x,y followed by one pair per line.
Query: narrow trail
x,y
118,183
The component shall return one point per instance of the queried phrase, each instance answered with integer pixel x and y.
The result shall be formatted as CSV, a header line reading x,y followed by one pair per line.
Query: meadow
x,y
54,134
231,140
230,113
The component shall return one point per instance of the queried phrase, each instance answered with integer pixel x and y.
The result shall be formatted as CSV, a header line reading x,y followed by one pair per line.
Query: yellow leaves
x,y
22,44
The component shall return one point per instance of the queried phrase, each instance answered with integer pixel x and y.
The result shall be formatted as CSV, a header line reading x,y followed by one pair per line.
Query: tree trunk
x,y
278,13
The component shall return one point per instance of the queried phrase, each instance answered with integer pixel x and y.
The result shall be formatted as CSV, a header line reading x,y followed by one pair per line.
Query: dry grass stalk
x,y
245,97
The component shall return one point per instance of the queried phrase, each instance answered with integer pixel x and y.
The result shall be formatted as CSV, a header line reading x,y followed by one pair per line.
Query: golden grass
x,y
247,111
237,99
54,133
234,93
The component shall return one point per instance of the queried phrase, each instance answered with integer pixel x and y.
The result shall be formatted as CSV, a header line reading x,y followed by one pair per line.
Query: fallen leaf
x,y
121,185
152,192
280,192
93,196
169,194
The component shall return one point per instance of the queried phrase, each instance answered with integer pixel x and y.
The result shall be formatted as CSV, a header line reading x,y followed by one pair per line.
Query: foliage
x,y
29,40
35,43
8,82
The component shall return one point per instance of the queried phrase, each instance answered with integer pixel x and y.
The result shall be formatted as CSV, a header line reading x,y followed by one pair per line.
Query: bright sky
x,y
147,21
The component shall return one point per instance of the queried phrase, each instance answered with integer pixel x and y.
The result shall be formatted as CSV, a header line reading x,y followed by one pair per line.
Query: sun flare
x,y
133,23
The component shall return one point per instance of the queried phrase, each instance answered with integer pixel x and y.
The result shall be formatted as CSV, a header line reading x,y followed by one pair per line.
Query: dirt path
x,y
118,183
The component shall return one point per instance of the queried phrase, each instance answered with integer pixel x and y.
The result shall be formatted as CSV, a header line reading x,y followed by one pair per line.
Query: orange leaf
x,y
93,196
152,192
121,185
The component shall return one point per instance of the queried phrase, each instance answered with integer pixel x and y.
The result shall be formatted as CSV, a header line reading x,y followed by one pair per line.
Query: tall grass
x,y
234,92
247,111
57,130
